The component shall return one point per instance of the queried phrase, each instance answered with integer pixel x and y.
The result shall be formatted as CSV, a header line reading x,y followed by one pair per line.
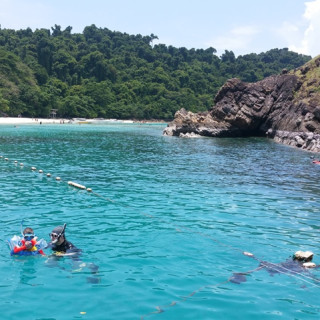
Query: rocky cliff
x,y
284,107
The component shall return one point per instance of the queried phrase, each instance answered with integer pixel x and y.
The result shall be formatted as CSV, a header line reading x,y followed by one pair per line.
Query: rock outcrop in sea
x,y
283,107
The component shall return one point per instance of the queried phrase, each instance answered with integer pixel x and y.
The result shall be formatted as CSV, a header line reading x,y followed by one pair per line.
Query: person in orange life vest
x,y
28,242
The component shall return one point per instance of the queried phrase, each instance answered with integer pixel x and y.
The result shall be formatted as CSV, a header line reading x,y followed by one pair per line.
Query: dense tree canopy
x,y
103,73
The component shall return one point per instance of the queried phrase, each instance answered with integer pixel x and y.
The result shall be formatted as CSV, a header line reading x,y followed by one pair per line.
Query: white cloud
x,y
308,42
236,39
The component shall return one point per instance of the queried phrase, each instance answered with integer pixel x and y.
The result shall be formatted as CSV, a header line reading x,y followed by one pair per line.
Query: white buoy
x,y
58,178
303,255
33,168
6,159
15,161
21,164
1,156
48,174
248,254
76,185
89,189
40,171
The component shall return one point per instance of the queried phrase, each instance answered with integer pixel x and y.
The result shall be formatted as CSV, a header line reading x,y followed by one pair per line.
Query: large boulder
x,y
284,107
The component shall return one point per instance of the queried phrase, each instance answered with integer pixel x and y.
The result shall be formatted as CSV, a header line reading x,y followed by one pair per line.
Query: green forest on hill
x,y
109,74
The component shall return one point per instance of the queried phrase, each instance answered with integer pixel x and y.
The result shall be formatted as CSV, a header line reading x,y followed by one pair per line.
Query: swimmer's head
x,y
57,233
27,230
28,234
303,256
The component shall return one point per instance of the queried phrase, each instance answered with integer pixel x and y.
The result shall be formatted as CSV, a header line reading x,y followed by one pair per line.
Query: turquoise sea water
x,y
167,222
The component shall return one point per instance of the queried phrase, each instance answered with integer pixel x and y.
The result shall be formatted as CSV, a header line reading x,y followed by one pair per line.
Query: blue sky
x,y
243,26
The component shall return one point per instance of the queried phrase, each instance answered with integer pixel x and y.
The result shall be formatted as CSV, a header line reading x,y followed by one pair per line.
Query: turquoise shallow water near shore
x,y
166,224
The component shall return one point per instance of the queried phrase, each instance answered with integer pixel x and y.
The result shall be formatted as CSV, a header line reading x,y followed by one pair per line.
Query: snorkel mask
x,y
57,233
28,236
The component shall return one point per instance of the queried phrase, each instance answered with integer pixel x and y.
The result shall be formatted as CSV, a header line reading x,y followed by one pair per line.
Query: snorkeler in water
x,y
28,244
59,244
62,247
299,264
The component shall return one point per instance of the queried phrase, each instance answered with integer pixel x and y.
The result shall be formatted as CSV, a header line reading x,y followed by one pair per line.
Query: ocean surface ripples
x,y
167,222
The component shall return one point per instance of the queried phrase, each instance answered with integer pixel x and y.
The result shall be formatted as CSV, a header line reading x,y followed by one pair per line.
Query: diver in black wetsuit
x,y
62,247
59,244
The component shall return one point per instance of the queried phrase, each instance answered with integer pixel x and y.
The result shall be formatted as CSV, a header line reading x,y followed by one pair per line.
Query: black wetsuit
x,y
66,247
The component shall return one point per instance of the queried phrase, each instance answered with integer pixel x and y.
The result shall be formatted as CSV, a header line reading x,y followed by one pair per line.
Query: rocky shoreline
x,y
283,107
303,140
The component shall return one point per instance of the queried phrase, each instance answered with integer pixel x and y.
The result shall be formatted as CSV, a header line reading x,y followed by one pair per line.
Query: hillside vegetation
x,y
309,79
103,73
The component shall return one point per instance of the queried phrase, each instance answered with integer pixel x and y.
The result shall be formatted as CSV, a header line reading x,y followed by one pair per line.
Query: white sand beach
x,y
15,121
35,121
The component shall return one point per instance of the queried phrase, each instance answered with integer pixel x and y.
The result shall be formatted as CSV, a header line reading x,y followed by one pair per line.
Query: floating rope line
x,y
159,309
70,183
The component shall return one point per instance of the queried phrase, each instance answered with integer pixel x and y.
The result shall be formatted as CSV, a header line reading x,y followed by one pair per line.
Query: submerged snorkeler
x,y
62,247
299,264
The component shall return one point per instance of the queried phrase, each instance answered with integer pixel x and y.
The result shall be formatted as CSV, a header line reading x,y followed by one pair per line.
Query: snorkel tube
x,y
21,227
63,230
